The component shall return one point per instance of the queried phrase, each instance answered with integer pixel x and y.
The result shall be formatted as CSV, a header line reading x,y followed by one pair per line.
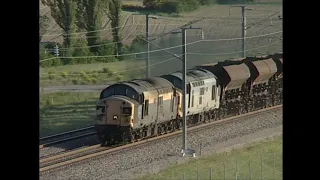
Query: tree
x,y
44,22
89,17
113,13
64,13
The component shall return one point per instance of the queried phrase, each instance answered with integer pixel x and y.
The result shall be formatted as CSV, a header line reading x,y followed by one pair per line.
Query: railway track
x,y
66,136
84,154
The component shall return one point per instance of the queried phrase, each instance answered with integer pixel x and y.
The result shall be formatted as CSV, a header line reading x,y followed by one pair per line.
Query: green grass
x,y
64,111
270,151
90,73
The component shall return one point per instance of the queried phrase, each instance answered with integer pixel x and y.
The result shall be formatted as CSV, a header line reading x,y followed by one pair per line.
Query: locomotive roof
x,y
149,84
133,89
192,75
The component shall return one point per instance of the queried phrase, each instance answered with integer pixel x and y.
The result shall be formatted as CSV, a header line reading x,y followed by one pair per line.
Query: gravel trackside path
x,y
157,156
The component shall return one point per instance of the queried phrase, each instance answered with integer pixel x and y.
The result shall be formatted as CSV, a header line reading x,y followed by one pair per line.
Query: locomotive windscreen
x,y
127,110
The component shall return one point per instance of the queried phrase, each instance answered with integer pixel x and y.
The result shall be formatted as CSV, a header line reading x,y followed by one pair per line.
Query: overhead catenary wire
x,y
153,34
233,52
104,44
130,54
153,57
170,59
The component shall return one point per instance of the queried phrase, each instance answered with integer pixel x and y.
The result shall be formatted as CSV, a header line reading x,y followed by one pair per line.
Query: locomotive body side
x,y
202,94
159,102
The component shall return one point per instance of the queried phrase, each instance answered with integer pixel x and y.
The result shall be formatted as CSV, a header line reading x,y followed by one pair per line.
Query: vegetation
x,y
43,25
64,111
88,18
227,163
75,16
83,15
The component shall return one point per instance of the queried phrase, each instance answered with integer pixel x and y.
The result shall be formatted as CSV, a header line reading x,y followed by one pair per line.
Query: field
x,y
63,111
236,164
221,22
98,73
131,26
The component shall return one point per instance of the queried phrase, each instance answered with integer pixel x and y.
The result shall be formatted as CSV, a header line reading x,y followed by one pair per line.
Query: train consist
x,y
144,108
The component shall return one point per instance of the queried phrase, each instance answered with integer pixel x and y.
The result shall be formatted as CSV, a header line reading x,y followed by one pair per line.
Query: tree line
x,y
82,15
74,16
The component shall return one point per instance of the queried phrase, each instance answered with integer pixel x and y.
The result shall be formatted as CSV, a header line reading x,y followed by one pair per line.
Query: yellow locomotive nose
x,y
115,111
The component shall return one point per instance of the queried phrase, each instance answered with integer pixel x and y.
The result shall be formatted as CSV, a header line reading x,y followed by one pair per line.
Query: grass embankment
x,y
97,73
64,111
224,165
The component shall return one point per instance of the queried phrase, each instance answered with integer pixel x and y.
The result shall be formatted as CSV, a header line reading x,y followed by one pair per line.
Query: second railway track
x,y
66,136
80,155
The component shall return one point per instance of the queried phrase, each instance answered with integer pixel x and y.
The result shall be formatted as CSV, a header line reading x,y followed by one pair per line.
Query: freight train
x,y
143,108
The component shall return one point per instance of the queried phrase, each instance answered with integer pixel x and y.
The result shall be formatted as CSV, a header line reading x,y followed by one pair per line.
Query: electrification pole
x,y
243,27
185,150
148,44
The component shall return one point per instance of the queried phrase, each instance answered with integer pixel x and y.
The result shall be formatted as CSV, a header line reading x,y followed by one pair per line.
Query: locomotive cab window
x,y
192,99
161,100
213,92
146,107
101,109
127,110
202,91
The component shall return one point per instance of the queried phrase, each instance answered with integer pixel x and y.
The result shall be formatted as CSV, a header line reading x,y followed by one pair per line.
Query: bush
x,y
118,78
87,79
130,7
95,74
75,81
233,1
64,75
94,80
49,63
171,7
52,76
106,70
83,74
106,50
168,6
